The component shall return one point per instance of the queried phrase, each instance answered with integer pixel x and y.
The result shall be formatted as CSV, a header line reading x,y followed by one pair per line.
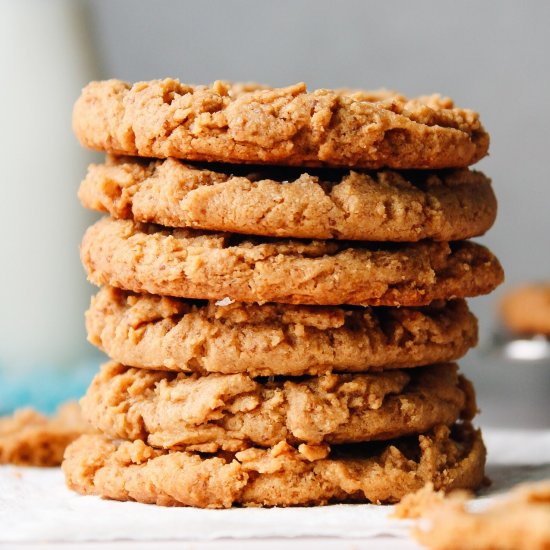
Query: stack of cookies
x,y
283,279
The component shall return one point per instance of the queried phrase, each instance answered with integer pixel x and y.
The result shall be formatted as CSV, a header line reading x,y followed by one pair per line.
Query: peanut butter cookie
x,y
526,309
251,124
194,264
279,476
233,412
380,206
518,520
28,438
147,331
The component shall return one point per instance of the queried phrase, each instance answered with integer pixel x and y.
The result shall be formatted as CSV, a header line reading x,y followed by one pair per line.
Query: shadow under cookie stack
x,y
283,323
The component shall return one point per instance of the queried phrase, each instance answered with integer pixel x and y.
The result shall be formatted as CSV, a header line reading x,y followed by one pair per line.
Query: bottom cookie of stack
x,y
281,475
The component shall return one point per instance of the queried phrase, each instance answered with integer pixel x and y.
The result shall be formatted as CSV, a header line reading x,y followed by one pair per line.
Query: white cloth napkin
x,y
36,506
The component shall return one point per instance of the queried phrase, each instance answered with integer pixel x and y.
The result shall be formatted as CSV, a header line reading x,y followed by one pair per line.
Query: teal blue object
x,y
45,387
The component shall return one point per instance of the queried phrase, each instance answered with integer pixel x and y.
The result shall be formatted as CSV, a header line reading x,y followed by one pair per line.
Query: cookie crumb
x,y
415,505
519,520
314,452
28,438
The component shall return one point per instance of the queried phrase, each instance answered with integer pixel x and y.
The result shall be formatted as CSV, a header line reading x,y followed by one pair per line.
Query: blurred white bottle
x,y
45,59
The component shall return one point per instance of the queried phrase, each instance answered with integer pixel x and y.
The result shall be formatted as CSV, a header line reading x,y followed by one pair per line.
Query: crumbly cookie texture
x,y
415,505
519,520
153,332
28,438
233,412
194,264
279,476
526,310
247,124
381,206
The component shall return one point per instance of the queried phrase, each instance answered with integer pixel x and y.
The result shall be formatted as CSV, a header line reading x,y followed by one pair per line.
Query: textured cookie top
x,y
194,264
233,412
260,125
154,332
291,202
279,476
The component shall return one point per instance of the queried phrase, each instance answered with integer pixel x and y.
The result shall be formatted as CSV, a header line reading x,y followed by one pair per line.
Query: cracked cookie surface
x,y
233,412
380,206
194,264
153,332
279,476
259,125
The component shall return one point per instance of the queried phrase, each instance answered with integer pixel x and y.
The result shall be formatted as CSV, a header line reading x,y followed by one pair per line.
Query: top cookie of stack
x,y
247,123
241,193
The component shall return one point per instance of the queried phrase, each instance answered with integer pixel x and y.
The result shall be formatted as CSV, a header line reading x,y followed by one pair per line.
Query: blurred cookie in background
x,y
526,309
28,438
